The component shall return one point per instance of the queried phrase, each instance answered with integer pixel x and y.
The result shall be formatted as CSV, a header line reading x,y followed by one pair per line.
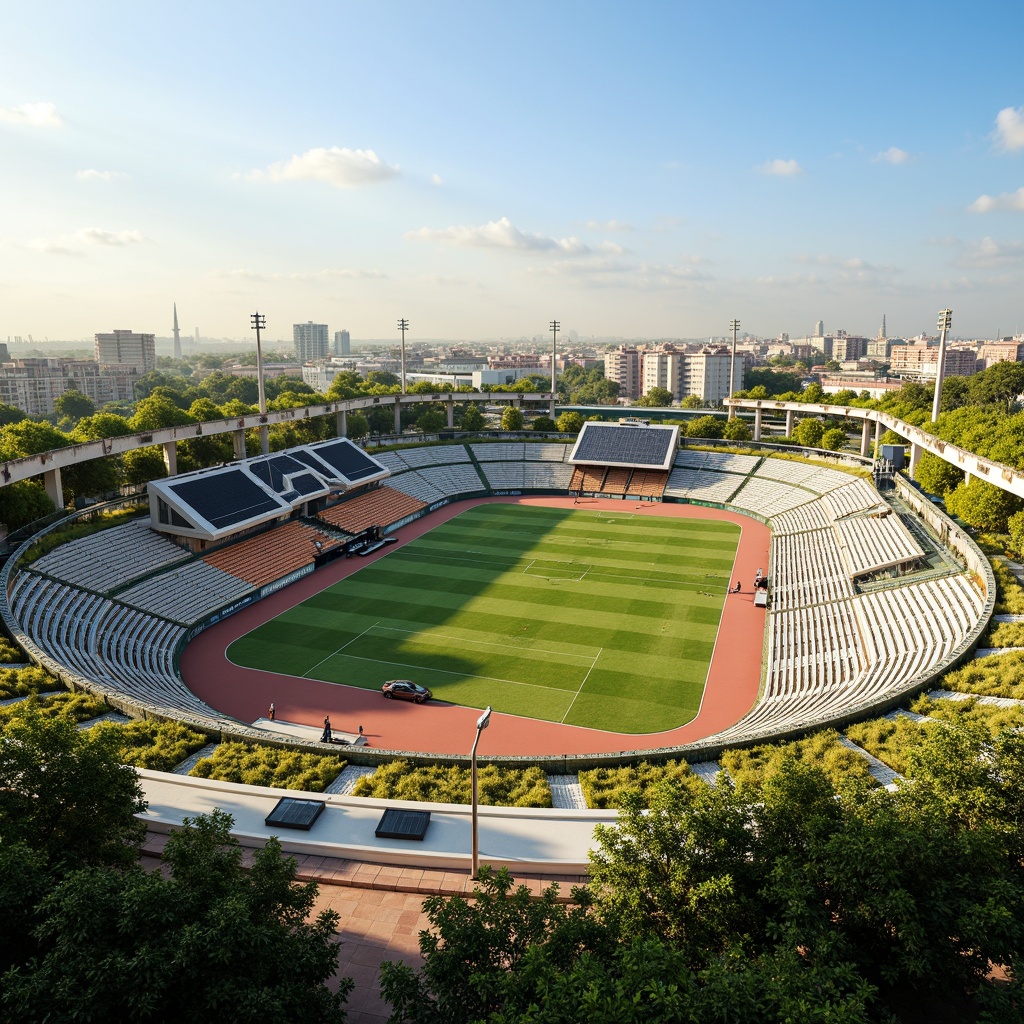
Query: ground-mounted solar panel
x,y
350,461
226,498
291,812
635,447
402,824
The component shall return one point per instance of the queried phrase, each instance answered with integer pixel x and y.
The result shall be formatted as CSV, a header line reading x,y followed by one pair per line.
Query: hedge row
x,y
1001,675
269,766
20,682
604,788
1009,592
503,787
161,746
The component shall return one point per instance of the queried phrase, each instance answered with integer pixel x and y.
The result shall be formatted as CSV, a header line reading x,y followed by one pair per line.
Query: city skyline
x,y
636,173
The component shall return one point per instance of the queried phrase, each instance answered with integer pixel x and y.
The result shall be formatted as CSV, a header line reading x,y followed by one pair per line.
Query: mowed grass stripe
x,y
456,611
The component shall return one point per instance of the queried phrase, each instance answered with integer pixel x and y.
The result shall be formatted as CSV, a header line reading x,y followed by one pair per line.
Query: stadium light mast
x,y
734,326
259,323
944,324
481,723
553,327
403,326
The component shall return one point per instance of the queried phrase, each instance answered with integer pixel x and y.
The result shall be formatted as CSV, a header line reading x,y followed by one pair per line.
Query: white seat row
x,y
698,485
499,451
111,557
769,497
807,569
186,594
872,543
433,455
812,516
722,462
858,496
546,452
453,479
819,479
414,484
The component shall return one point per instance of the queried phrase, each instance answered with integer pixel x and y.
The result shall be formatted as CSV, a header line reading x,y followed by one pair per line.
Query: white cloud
x,y
314,276
989,253
1004,201
94,175
783,168
39,115
893,155
341,167
608,225
1010,129
74,245
499,234
435,179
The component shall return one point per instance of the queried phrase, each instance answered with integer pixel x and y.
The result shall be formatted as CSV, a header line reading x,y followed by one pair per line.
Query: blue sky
x,y
480,168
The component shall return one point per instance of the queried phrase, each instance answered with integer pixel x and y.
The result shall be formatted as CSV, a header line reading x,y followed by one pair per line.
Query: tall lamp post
x,y
734,326
944,324
553,327
403,326
481,723
259,323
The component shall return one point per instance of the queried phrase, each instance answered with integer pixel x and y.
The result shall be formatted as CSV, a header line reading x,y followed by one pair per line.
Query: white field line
x,y
580,690
339,650
483,643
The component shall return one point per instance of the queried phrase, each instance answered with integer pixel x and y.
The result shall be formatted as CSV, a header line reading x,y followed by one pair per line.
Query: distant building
x,y
920,360
623,366
819,329
879,348
126,348
1000,352
847,348
34,385
342,343
311,341
704,373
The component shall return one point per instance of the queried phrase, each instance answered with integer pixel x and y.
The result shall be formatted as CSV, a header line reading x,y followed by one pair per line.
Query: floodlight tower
x,y
553,327
403,326
734,326
259,323
944,324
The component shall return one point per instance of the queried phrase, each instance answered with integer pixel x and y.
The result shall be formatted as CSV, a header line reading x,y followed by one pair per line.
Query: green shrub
x,y
995,718
73,531
451,784
20,682
1009,592
10,653
269,766
79,707
750,768
889,739
1004,634
1001,675
157,745
604,788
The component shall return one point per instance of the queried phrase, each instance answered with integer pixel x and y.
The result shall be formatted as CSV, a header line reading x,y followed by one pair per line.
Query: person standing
x,y
271,712
326,738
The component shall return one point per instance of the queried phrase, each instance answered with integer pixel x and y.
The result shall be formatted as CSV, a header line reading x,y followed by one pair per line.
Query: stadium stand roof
x,y
211,504
634,447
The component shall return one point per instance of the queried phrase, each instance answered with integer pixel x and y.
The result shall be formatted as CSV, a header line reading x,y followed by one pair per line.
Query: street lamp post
x,y
481,723
259,323
403,326
944,324
734,326
553,327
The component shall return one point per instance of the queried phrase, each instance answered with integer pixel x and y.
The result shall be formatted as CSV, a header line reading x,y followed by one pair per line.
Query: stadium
x,y
584,590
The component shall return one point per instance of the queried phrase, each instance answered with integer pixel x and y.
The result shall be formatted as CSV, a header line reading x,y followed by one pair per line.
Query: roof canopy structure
x,y
625,445
211,504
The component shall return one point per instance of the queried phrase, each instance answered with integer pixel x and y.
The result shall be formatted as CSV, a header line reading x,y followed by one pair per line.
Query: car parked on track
x,y
405,689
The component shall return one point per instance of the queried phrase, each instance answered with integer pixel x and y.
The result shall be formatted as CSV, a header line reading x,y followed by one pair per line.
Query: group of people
x,y
326,737
760,583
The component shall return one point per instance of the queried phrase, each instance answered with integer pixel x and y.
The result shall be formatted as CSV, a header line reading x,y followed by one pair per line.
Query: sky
x,y
481,168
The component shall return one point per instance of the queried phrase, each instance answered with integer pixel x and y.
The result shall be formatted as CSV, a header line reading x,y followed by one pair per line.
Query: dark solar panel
x,y
272,470
306,483
289,812
400,824
347,459
223,499
632,446
308,458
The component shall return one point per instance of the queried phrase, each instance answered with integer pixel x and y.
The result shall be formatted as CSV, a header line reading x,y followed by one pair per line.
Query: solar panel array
x,y
347,459
227,498
608,444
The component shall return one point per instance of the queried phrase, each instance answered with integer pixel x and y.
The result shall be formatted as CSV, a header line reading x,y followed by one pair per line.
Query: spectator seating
x,y
379,507
268,556
186,593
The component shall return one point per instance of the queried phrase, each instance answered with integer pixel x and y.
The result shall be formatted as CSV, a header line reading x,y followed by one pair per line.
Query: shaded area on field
x,y
557,614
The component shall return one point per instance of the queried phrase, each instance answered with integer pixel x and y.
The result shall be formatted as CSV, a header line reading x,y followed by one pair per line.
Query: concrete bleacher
x,y
696,485
186,594
720,462
268,556
110,558
380,507
768,497
499,451
415,485
871,544
435,455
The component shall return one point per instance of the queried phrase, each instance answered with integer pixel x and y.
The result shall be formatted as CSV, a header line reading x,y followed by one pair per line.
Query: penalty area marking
x,y
482,643
580,569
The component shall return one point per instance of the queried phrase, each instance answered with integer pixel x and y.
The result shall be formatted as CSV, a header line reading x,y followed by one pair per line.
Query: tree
x,y
30,437
983,505
345,385
936,475
691,402
570,423
382,378
809,432
74,405
431,420
212,942
773,382
833,439
1015,528
1001,384
511,418
544,424
472,418
655,398
23,503
705,426
144,464
157,412
357,425
10,414
737,430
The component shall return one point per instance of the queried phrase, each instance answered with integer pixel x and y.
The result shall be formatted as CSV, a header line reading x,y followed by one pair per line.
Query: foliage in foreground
x,y
20,682
159,746
270,766
1009,592
805,902
605,788
73,707
450,784
1001,675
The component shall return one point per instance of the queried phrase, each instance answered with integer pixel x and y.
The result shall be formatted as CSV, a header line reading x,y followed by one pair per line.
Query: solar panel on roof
x,y
347,459
223,499
272,470
624,446
310,459
402,824
290,812
306,483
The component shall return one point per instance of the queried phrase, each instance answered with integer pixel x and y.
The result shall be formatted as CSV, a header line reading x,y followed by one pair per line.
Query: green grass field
x,y
594,618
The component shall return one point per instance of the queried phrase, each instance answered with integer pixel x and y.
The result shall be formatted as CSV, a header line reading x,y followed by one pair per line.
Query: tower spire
x,y
177,336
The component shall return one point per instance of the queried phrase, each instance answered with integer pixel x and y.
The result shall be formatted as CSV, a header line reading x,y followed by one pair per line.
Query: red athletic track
x,y
448,729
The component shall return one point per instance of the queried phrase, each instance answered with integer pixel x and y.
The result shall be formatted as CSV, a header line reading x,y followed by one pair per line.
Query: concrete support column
x,y
171,457
865,437
551,409
790,416
54,487
342,423
878,437
915,458
757,424
451,413
265,439
967,477
398,415
238,443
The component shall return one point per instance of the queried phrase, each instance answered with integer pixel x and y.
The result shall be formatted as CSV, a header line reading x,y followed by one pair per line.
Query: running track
x,y
246,693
